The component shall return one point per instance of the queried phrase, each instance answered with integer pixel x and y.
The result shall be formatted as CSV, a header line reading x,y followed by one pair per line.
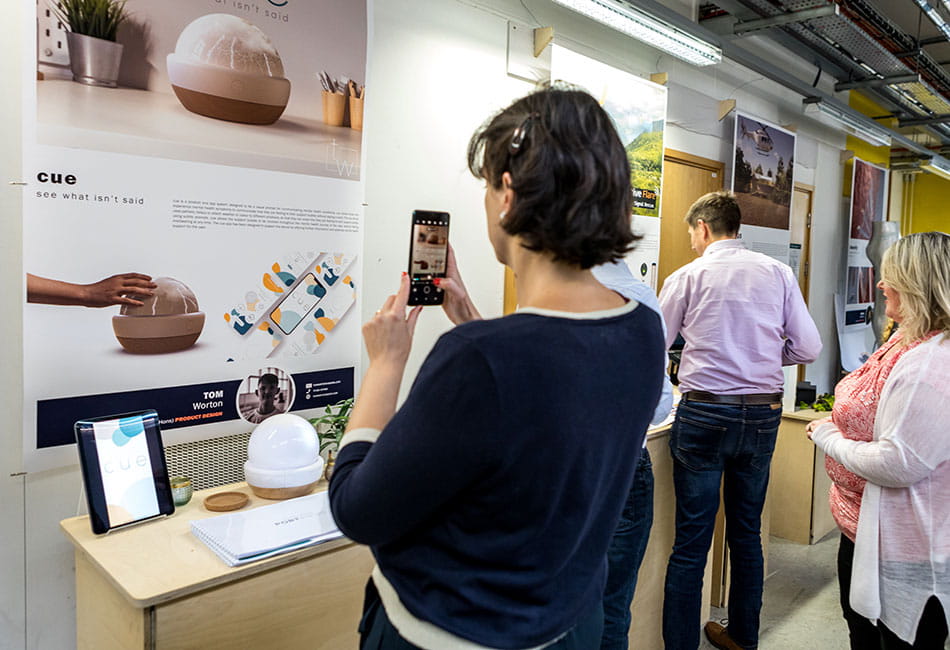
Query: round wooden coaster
x,y
224,501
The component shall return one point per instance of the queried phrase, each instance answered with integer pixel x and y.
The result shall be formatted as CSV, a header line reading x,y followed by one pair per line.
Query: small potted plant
x,y
330,428
94,56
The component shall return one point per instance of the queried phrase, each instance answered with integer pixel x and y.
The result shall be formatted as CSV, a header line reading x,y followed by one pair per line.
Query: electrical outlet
x,y
50,36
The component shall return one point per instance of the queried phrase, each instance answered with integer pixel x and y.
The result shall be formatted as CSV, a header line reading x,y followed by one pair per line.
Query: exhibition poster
x,y
638,109
222,174
868,187
762,180
854,307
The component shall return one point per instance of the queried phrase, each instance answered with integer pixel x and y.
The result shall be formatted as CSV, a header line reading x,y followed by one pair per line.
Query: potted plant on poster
x,y
330,428
94,56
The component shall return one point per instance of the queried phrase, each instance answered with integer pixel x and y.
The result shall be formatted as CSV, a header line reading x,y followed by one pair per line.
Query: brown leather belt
x,y
751,398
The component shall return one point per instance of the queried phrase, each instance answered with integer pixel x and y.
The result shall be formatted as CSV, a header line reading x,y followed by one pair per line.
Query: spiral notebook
x,y
242,537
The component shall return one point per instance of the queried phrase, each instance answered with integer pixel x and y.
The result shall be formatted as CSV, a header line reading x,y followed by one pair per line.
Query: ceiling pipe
x,y
934,17
856,11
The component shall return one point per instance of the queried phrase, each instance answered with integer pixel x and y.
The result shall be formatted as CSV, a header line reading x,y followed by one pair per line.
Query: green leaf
x,y
95,18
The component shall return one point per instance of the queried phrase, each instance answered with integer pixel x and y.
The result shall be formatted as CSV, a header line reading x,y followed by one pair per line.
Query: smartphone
x,y
428,256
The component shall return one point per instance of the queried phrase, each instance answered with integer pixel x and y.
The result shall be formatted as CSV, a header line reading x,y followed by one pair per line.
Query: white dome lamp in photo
x,y
227,68
167,321
283,458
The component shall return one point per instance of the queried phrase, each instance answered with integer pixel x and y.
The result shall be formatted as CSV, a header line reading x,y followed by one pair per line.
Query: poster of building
x,y
192,236
638,109
762,180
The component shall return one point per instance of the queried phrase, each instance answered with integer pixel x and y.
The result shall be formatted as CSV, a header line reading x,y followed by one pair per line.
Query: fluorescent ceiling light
x,y
876,135
938,166
652,31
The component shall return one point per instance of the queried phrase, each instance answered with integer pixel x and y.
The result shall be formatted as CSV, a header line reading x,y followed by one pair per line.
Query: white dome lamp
x,y
283,458
225,67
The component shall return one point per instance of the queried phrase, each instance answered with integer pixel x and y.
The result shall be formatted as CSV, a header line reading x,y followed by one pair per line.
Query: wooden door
x,y
685,178
800,242
800,234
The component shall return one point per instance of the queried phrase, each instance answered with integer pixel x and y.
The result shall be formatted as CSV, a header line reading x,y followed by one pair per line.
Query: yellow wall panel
x,y
931,204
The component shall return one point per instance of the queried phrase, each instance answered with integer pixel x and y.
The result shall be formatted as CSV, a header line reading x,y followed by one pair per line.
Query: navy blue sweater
x,y
491,496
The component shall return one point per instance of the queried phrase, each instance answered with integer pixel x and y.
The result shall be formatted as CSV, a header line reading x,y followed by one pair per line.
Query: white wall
x,y
437,70
12,583
472,39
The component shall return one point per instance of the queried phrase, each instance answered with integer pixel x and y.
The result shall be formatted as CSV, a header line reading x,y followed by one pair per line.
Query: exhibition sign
x,y
223,175
868,187
762,180
853,307
638,109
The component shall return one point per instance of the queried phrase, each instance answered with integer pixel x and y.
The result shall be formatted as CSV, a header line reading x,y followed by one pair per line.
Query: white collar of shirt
x,y
723,244
586,315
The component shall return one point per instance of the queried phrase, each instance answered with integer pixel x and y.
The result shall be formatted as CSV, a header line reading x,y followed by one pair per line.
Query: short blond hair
x,y
918,268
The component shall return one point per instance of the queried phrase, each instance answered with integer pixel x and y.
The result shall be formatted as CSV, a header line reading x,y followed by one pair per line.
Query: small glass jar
x,y
181,490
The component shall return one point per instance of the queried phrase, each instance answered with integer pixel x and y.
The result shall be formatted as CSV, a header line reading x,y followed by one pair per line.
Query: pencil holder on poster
x,y
356,113
334,108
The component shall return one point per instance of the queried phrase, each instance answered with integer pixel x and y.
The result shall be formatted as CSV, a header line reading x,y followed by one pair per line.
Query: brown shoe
x,y
719,637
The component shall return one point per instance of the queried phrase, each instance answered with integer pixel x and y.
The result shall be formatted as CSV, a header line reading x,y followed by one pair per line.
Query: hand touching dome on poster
x,y
166,321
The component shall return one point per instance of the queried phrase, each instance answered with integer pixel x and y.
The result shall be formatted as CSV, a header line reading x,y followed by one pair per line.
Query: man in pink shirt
x,y
742,317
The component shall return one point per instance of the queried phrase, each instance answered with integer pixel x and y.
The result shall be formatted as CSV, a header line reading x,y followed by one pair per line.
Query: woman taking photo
x,y
896,573
490,496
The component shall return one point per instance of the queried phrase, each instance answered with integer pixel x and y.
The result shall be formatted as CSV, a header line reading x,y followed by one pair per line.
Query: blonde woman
x,y
900,577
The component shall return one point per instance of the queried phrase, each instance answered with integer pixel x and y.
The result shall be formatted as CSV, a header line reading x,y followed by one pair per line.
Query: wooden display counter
x,y
157,586
798,488
646,629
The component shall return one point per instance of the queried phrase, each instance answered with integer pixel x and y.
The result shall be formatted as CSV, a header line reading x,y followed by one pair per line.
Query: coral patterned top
x,y
856,398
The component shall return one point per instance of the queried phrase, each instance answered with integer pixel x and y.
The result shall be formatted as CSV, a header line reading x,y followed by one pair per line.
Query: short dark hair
x,y
268,378
718,210
569,174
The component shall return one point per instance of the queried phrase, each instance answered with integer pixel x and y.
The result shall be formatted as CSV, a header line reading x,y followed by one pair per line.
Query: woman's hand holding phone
x,y
388,335
457,304
388,339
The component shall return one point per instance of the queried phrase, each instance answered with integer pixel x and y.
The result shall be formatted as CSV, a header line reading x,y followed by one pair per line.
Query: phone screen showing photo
x,y
428,256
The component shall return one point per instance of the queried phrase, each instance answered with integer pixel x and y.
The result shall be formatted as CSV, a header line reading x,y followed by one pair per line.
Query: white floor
x,y
800,607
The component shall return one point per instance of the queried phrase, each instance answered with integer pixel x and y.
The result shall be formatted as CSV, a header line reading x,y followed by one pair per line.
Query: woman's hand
x,y
388,339
814,424
388,335
457,304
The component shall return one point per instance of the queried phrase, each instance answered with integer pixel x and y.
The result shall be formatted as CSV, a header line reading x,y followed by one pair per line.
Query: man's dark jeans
x,y
712,443
625,554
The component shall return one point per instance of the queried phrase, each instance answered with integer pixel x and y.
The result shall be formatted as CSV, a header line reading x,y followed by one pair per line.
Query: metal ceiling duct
x,y
863,46
731,50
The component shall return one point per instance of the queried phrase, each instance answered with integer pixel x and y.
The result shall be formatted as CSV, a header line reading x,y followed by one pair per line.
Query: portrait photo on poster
x,y
266,392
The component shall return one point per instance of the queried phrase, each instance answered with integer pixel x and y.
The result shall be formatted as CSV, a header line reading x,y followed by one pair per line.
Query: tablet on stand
x,y
123,470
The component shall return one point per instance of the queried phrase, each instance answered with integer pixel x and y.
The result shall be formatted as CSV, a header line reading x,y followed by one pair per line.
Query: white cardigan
x,y
902,548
